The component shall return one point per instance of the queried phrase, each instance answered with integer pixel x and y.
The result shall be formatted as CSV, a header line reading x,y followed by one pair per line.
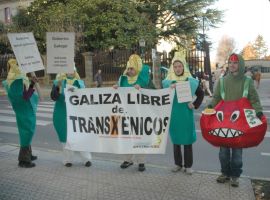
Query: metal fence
x,y
113,63
3,64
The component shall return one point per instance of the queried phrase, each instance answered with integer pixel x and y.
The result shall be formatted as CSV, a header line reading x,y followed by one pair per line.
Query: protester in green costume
x,y
182,127
24,101
60,114
136,75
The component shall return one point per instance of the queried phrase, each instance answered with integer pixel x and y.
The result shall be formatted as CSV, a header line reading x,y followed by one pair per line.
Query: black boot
x,y
25,158
32,156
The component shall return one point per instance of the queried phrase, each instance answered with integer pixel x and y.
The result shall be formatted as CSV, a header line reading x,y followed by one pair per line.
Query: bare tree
x,y
226,46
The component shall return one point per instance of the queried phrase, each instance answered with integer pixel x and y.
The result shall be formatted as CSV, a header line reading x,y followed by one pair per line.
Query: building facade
x,y
9,8
261,65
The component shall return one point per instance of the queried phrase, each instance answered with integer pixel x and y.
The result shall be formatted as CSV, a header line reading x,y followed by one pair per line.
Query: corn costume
x,y
142,78
60,114
182,126
24,101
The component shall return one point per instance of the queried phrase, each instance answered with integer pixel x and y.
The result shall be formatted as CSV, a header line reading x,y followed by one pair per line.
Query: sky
x,y
243,20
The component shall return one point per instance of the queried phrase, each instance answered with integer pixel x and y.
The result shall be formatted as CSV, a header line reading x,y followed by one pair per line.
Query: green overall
x,y
182,127
60,111
25,110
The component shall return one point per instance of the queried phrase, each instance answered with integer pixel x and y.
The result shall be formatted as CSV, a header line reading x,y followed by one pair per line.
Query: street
x,y
256,161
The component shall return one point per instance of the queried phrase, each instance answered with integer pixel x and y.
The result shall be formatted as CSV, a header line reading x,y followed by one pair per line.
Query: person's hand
x,y
137,86
173,86
59,83
34,79
260,115
191,106
115,86
71,89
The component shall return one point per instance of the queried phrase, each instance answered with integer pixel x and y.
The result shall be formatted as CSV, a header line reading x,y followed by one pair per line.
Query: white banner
x,y
121,121
60,52
25,49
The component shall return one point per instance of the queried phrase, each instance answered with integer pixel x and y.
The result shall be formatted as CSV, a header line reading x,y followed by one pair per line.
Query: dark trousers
x,y
188,155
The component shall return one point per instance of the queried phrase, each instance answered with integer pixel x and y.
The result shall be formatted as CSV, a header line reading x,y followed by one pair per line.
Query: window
x,y
7,15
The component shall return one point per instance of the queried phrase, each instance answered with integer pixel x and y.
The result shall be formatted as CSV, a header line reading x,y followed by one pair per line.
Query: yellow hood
x,y
135,62
15,73
179,56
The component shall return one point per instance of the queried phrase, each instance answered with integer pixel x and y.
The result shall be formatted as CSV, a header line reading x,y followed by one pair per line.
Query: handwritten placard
x,y
251,118
183,92
60,52
25,49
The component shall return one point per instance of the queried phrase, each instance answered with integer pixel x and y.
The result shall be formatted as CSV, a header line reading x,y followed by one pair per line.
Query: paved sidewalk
x,y
105,180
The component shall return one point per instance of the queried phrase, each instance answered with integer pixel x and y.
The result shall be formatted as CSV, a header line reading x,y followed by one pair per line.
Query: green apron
x,y
25,110
60,111
182,126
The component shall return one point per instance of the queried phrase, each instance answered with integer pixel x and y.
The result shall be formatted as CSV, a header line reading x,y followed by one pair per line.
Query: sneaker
x,y
88,164
126,164
141,167
234,182
223,178
33,157
189,171
68,164
177,168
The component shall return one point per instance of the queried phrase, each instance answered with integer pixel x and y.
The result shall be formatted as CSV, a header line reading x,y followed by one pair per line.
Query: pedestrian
x,y
205,83
231,88
136,75
182,126
60,114
257,78
24,101
98,78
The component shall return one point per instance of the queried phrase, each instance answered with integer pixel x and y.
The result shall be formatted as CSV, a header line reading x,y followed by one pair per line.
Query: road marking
x,y
11,112
8,129
13,119
40,109
267,134
47,102
265,154
266,111
46,106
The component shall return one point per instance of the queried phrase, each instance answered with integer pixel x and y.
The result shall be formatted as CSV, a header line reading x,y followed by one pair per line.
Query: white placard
x,y
25,49
251,118
183,92
122,121
60,52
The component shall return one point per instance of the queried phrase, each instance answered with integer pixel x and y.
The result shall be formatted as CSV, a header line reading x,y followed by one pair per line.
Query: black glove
x,y
209,106
259,115
32,84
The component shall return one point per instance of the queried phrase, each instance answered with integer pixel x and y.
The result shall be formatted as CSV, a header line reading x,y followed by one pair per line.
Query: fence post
x,y
156,71
47,78
88,63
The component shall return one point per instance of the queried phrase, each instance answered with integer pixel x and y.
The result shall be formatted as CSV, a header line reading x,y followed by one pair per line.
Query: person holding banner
x,y
60,114
24,101
136,75
182,127
234,87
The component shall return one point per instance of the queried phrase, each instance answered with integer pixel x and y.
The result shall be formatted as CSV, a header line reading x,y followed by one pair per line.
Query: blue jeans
x,y
231,161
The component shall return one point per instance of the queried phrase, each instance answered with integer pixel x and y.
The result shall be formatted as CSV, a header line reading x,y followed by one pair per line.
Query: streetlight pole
x,y
142,45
